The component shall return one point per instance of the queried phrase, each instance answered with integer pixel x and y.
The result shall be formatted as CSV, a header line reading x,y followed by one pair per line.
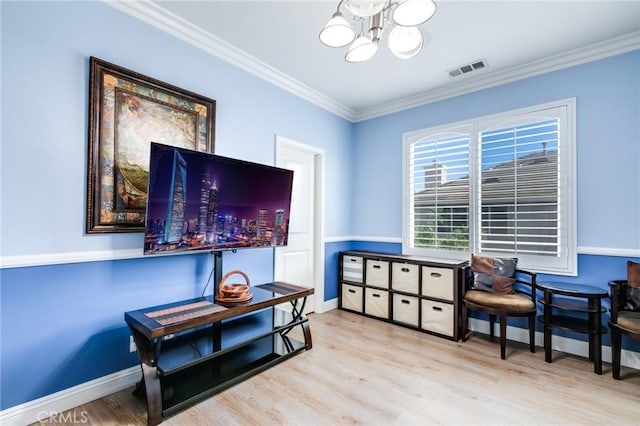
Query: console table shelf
x,y
578,325
573,305
573,301
192,349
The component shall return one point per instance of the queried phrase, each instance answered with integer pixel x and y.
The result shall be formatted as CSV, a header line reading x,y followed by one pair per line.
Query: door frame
x,y
318,226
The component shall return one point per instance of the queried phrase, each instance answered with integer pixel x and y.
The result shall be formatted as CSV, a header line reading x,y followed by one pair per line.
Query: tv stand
x,y
192,349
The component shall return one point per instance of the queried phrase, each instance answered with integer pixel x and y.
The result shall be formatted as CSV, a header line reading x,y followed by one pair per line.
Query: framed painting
x,y
128,111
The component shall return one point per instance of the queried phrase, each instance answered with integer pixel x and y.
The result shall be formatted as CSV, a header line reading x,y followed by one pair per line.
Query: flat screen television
x,y
201,201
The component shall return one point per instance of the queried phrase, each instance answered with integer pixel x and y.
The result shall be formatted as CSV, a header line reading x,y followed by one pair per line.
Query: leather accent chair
x,y
624,321
520,302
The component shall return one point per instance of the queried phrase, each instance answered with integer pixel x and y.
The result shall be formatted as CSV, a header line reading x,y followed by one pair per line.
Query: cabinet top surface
x,y
406,258
157,321
572,289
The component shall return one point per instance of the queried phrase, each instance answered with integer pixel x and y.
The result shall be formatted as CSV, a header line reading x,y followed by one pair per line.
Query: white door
x,y
297,262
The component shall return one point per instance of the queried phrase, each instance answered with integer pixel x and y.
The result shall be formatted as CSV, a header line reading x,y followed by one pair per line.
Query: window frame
x,y
563,264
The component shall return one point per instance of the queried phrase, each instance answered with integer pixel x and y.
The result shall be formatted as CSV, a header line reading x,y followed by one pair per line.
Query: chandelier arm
x,y
376,26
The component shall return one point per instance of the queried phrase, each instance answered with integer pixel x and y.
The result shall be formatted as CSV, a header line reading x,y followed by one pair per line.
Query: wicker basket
x,y
229,292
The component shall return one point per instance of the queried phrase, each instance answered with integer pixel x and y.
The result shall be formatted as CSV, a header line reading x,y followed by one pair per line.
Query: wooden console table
x,y
577,299
191,349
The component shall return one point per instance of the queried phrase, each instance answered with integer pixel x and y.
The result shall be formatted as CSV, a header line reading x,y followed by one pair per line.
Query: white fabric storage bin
x,y
404,277
406,309
376,303
377,273
352,269
352,297
437,317
437,282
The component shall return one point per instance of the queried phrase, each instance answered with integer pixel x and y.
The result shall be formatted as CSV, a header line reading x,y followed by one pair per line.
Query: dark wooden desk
x,y
191,349
577,299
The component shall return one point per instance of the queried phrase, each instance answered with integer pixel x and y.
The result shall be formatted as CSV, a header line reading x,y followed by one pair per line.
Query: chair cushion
x,y
508,302
493,274
633,286
629,320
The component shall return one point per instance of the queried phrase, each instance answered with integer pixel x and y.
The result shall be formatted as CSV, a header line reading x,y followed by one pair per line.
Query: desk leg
x,y
547,326
307,335
591,320
148,351
297,313
597,336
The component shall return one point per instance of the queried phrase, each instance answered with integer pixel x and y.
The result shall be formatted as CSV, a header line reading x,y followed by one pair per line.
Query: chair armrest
x,y
527,278
618,295
467,279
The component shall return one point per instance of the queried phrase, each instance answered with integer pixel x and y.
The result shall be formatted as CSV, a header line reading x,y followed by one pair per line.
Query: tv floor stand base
x,y
192,349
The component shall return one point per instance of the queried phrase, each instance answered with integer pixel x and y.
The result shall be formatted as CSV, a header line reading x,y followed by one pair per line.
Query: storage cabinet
x,y
416,292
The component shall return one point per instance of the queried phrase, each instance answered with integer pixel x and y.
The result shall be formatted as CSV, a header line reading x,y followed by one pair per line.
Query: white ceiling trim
x,y
160,18
563,60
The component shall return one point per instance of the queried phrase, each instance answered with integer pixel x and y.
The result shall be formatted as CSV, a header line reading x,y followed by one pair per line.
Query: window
x,y
500,185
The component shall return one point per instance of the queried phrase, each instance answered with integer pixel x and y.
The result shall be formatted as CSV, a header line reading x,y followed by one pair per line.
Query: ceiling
x,y
278,40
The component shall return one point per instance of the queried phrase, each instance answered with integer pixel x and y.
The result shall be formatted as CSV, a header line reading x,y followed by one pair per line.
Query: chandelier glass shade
x,y
413,12
405,42
361,50
364,8
337,32
402,16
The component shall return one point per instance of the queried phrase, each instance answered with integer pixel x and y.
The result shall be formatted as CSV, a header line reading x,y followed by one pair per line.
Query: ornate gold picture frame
x,y
128,111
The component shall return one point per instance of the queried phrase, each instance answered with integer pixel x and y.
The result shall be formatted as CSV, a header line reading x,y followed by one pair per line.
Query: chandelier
x,y
402,16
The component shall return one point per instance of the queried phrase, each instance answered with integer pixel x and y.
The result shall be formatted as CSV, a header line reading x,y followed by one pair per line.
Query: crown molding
x,y
170,23
600,50
166,21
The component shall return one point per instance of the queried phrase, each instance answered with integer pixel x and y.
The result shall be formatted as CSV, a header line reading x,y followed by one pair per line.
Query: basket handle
x,y
227,275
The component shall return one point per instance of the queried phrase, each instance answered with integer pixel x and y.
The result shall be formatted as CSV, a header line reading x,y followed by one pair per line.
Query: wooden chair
x,y
622,322
522,303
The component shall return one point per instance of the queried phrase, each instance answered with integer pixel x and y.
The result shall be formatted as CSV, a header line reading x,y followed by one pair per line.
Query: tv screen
x,y
201,201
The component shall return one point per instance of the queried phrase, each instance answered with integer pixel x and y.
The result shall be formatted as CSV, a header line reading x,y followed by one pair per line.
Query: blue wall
x,y
45,77
607,96
62,325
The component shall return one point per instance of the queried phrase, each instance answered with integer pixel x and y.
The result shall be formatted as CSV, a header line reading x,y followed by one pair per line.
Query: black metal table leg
x,y
547,326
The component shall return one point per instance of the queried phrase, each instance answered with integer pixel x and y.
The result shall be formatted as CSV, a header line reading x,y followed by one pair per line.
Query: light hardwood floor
x,y
364,371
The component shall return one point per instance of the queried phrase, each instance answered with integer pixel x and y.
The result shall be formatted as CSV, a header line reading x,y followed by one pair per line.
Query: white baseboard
x,y
559,343
54,404
330,305
50,405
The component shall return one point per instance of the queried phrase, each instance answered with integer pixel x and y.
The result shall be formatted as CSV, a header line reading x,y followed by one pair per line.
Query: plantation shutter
x,y
518,187
500,185
439,188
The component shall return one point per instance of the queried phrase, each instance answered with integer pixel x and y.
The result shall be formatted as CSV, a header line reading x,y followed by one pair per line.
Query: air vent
x,y
467,68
